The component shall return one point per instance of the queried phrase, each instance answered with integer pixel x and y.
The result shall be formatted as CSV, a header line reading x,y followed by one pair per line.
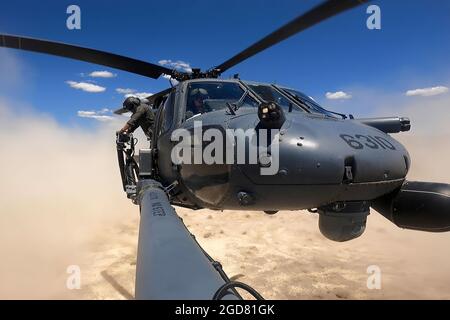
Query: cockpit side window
x,y
169,111
164,118
160,119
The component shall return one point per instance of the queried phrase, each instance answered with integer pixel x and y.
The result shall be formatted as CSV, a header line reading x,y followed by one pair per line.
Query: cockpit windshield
x,y
289,99
211,96
207,96
269,93
308,102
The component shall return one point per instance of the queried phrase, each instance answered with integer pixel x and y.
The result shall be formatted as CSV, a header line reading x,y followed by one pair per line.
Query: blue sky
x,y
411,50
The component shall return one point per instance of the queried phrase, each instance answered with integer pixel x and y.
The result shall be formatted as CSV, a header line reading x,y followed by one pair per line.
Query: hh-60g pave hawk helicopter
x,y
328,163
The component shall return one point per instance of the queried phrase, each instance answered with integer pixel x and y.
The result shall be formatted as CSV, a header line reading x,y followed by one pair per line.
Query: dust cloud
x,y
59,188
428,141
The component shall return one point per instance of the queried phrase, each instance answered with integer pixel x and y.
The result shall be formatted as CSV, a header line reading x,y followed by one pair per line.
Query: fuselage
x,y
312,160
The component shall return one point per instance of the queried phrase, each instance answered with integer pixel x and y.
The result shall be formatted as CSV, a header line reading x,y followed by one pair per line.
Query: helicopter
x,y
305,157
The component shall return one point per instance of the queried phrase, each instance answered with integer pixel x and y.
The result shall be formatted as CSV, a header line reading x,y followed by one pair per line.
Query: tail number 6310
x,y
359,141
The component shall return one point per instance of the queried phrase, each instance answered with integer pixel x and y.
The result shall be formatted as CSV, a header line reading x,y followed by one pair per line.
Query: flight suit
x,y
143,117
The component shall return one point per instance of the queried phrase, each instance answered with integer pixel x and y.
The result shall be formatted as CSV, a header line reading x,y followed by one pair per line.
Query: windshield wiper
x,y
240,102
231,108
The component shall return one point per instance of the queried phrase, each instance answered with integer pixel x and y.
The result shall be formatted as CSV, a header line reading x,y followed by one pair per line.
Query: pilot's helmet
x,y
199,93
131,103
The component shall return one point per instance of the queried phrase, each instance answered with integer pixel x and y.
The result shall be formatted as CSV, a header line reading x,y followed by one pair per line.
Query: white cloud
x,y
102,74
338,95
140,95
179,65
426,92
85,86
169,77
100,115
125,90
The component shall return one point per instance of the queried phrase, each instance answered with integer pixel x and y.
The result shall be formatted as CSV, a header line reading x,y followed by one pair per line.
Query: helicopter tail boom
x,y
170,263
418,205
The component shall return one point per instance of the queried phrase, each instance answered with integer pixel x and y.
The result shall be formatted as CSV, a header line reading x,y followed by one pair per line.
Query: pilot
x,y
142,116
197,97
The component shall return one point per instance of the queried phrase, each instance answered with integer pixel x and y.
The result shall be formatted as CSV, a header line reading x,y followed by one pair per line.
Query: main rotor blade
x,y
84,54
320,13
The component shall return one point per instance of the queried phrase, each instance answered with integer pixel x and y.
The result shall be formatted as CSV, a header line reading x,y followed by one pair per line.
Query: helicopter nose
x,y
309,162
311,150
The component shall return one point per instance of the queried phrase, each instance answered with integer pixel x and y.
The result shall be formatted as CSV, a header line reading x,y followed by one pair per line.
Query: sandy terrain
x,y
284,256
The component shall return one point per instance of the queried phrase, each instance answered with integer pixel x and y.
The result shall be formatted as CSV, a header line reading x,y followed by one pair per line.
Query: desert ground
x,y
62,205
284,256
